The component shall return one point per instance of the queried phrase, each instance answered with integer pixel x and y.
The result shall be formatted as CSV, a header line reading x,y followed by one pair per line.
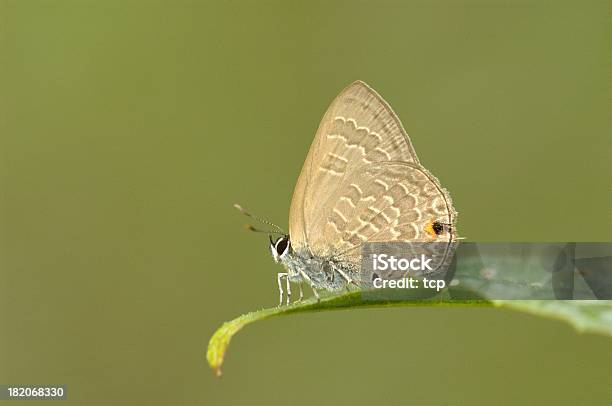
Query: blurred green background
x,y
129,128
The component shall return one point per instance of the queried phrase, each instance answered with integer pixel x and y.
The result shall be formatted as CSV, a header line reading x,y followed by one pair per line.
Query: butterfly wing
x,y
382,202
358,129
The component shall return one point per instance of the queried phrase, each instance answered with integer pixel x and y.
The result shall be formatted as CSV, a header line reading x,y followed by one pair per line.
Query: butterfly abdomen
x,y
323,273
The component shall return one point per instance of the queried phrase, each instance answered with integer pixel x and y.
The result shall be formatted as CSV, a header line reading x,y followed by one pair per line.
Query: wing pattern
x,y
362,181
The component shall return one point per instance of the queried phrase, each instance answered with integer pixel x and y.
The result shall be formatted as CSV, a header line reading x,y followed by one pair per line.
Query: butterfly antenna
x,y
258,230
277,229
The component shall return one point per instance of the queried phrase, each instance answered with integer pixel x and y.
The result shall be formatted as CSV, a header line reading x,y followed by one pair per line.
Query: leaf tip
x,y
214,360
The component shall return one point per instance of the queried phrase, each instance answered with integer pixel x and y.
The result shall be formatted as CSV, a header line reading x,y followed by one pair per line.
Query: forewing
x,y
358,129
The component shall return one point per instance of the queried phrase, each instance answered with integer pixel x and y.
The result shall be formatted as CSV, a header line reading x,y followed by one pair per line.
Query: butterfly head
x,y
280,248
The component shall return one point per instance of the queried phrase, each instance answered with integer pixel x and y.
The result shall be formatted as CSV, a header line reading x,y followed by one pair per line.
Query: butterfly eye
x,y
281,245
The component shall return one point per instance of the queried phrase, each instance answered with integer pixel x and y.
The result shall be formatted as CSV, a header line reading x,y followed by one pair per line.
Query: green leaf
x,y
220,340
585,315
593,316
480,278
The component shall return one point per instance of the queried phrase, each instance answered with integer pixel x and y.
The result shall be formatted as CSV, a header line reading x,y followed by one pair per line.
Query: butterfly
x,y
361,182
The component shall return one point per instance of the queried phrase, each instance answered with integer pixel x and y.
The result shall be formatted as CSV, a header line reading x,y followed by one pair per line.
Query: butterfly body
x,y
361,182
321,273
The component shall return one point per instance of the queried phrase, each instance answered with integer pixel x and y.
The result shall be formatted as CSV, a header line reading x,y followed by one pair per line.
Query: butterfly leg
x,y
344,275
279,276
311,285
288,290
348,279
301,293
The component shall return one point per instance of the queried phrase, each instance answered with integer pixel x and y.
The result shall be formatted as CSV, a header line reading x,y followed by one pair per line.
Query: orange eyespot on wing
x,y
434,228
